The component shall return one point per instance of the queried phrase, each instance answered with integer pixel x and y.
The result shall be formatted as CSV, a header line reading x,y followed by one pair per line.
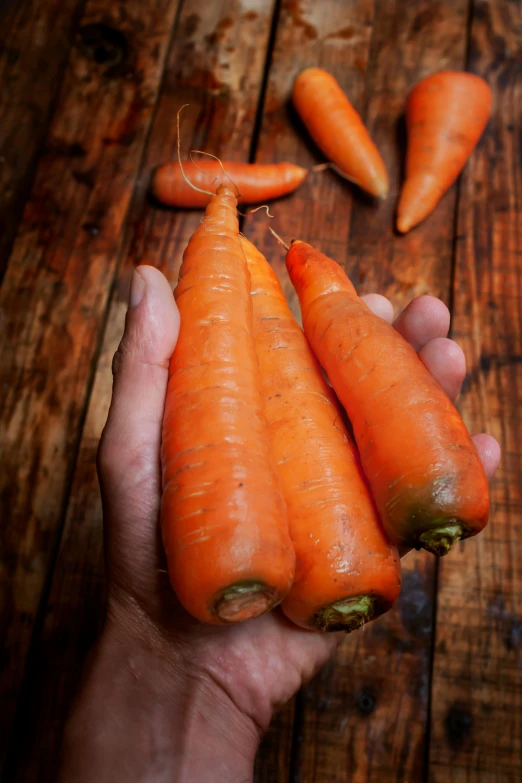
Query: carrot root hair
x,y
196,164
439,540
333,167
263,206
244,601
347,615
281,242
215,157
189,183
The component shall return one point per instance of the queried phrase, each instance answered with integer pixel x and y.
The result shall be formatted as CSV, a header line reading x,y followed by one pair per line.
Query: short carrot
x,y
347,572
223,515
256,182
445,116
424,471
338,130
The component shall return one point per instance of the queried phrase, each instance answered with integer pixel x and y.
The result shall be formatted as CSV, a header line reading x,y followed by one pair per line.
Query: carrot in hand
x,y
338,130
445,116
347,572
424,471
256,182
223,515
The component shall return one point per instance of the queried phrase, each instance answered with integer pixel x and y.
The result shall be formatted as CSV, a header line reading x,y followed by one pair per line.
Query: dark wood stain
x,y
294,9
191,25
104,44
366,701
220,32
30,77
425,18
345,34
458,725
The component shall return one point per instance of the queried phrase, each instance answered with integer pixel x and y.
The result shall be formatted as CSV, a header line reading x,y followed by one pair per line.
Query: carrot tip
x,y
404,225
244,601
440,540
345,615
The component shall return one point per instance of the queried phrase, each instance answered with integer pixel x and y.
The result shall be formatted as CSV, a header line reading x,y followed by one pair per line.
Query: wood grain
x,y
217,69
274,757
364,717
55,292
335,35
35,38
476,726
206,66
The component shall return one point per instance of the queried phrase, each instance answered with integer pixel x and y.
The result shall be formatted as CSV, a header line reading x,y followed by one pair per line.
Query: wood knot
x,y
458,724
103,44
366,702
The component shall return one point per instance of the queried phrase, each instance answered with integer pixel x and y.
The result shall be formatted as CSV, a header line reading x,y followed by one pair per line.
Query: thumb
x,y
129,453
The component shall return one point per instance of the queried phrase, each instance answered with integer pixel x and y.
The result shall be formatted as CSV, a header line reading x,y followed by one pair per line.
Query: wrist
x,y
143,713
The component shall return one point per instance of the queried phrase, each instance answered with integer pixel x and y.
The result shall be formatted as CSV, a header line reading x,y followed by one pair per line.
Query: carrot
x,y
338,130
445,116
224,520
256,182
425,474
347,572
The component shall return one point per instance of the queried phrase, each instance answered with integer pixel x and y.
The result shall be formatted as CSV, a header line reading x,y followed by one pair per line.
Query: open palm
x,y
262,663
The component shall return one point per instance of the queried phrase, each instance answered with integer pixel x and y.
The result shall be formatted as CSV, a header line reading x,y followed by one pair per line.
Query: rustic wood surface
x,y
477,678
54,295
433,690
35,38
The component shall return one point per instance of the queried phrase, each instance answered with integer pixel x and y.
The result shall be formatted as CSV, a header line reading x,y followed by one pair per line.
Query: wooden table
x,y
90,90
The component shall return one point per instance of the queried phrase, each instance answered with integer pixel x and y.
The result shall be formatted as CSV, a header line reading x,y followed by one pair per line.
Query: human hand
x,y
177,698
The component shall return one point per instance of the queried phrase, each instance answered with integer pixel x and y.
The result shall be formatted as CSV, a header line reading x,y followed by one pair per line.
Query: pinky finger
x,y
489,452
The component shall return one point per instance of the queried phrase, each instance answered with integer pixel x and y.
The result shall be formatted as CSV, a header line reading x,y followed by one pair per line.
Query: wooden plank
x,y
35,38
335,35
55,293
216,64
476,725
274,757
364,717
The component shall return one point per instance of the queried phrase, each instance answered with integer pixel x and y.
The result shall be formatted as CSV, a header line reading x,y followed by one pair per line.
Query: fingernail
x,y
137,289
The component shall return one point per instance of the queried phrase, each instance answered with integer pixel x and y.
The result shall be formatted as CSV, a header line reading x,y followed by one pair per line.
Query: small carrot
x,y
256,182
424,471
347,572
338,130
445,116
223,515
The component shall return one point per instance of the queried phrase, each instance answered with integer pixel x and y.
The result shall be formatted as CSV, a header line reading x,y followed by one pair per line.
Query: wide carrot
x,y
256,182
223,515
445,116
347,572
338,130
424,471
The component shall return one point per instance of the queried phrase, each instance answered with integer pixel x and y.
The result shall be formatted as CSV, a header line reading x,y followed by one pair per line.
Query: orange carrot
x,y
445,116
256,182
424,471
347,572
224,520
338,130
